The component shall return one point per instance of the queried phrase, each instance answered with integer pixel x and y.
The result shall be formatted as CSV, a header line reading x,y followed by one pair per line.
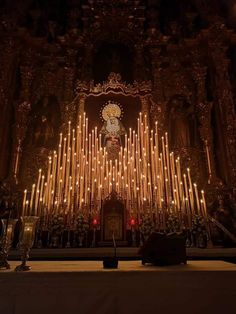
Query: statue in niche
x,y
182,123
45,122
112,129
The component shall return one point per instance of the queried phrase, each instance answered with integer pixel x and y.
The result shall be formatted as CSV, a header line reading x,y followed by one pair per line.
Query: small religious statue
x,y
112,129
43,134
224,214
182,124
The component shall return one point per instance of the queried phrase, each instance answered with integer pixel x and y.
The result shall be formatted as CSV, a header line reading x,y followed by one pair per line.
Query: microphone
x,y
111,262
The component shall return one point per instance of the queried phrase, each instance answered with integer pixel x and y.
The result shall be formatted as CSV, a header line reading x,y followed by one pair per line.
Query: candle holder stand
x,y
133,235
8,227
27,236
68,238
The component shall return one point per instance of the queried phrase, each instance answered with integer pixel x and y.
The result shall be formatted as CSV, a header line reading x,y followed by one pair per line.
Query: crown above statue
x,y
111,109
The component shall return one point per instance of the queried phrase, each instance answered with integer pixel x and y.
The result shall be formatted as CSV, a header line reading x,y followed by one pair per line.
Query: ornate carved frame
x,y
113,85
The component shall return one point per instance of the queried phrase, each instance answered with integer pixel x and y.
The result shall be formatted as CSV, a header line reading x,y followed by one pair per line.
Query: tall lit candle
x,y
37,190
197,197
204,204
32,198
26,208
190,190
24,203
208,159
40,196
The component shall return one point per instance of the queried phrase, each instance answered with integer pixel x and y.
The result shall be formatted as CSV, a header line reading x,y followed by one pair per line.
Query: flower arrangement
x,y
199,231
198,224
56,228
146,226
57,225
172,223
82,225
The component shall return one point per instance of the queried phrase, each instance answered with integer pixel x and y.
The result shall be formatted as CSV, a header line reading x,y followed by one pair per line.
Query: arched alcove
x,y
45,122
112,57
131,108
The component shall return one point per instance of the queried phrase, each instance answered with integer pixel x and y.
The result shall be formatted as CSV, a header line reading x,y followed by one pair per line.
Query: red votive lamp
x,y
132,222
95,222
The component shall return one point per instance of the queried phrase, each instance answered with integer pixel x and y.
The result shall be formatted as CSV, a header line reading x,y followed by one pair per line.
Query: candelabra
x,y
8,227
145,173
27,236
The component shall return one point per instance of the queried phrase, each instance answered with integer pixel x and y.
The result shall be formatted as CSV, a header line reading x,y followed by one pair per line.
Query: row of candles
x,y
145,174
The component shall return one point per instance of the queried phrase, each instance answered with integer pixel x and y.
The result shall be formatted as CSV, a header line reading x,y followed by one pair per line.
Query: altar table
x,y
84,287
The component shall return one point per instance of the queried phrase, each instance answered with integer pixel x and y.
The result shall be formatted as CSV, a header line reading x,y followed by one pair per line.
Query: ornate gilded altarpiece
x,y
182,80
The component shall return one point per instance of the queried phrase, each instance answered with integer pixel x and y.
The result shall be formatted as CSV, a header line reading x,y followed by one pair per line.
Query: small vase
x,y
188,242
94,238
74,244
55,241
68,240
81,240
192,240
141,240
146,236
202,243
39,243
133,233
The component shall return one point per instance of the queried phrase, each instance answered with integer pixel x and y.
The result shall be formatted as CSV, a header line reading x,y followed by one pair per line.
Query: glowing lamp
x,y
132,222
95,222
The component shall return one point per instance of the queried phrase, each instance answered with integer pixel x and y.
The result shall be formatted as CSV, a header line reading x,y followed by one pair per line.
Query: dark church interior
x,y
117,150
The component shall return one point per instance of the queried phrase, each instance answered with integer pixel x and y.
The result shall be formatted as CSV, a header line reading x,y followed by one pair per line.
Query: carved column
x,y
158,92
139,69
87,63
4,130
156,115
68,107
81,105
224,101
204,116
7,88
156,71
21,125
145,105
22,116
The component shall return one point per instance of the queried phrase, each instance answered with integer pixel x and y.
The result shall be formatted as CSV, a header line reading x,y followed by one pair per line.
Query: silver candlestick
x,y
27,236
6,238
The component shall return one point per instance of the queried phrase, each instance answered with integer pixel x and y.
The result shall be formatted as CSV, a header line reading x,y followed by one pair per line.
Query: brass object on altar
x,y
8,227
27,236
113,218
